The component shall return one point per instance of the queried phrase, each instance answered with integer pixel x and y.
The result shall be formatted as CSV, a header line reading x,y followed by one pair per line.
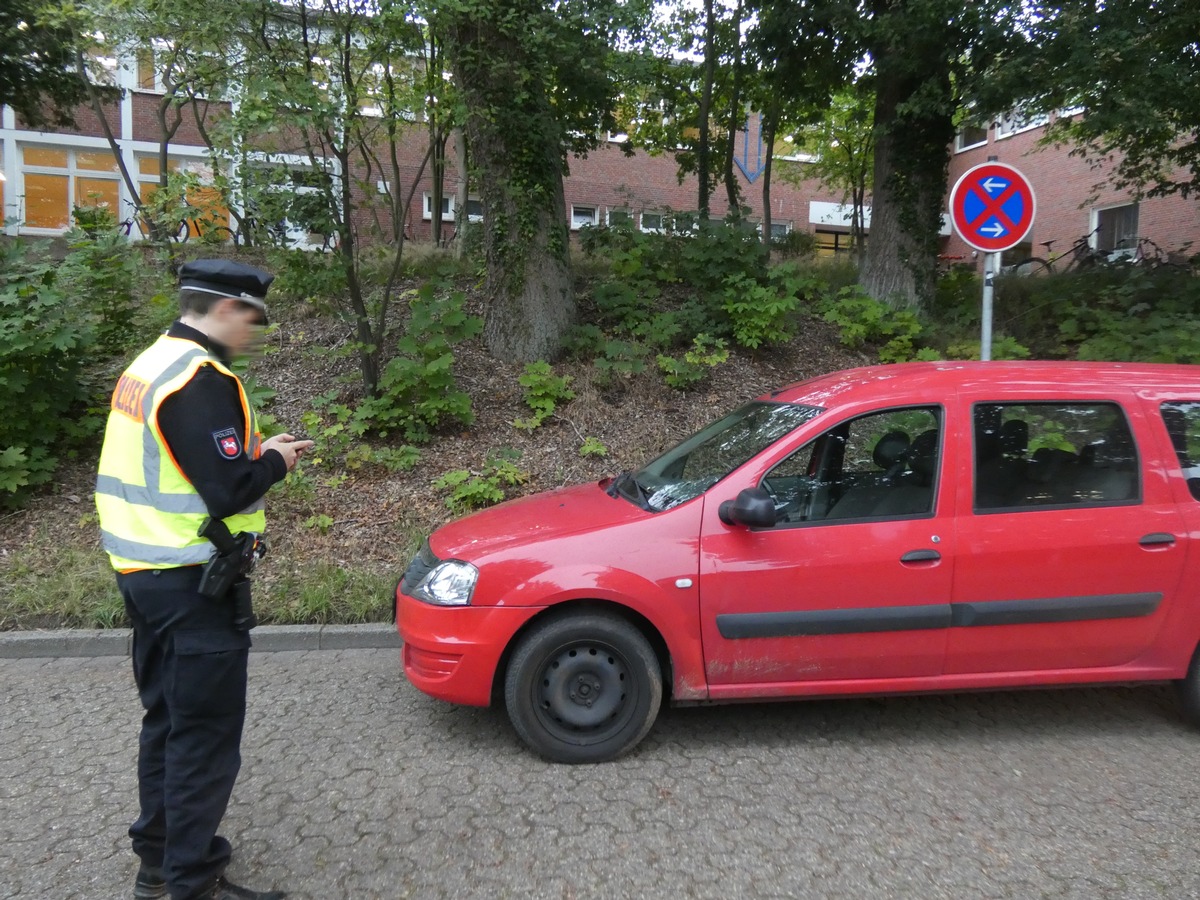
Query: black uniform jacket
x,y
196,422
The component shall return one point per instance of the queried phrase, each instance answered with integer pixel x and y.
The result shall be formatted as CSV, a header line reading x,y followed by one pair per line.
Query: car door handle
x,y
1156,539
919,556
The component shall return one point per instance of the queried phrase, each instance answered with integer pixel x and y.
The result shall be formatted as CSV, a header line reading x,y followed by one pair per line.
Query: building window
x,y
584,216
972,134
780,230
1017,254
447,207
58,179
474,209
1118,228
652,221
833,243
205,205
1017,121
619,216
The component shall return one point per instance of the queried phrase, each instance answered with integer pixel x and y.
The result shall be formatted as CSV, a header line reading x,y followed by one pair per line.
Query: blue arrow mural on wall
x,y
749,155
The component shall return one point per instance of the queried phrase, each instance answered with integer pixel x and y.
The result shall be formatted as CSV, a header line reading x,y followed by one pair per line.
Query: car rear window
x,y
1032,455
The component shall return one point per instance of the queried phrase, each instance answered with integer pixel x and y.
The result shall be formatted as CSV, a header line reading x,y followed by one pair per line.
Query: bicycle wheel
x,y
219,234
1031,267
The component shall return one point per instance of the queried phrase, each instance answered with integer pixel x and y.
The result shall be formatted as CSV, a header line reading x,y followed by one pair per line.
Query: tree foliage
x,y
1129,71
924,59
38,75
842,145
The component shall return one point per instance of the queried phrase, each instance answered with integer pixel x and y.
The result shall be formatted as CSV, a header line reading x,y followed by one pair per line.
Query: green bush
x,y
544,391
306,277
664,290
44,346
863,321
1143,315
704,356
475,490
418,393
795,245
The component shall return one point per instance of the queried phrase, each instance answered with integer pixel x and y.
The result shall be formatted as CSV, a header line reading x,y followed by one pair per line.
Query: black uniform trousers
x,y
190,668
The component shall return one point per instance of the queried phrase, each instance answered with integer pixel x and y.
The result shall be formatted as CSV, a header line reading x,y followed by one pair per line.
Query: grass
x,y
74,587
64,586
323,593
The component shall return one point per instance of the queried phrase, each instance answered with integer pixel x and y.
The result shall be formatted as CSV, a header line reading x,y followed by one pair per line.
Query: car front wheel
x,y
583,688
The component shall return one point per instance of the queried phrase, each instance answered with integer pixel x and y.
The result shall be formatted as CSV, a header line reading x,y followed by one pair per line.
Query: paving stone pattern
x,y
354,785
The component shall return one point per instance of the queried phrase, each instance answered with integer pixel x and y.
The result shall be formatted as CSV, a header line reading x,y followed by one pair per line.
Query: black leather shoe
x,y
227,890
149,884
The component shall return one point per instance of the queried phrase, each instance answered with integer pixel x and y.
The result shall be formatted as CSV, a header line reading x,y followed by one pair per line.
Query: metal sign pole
x,y
991,263
992,208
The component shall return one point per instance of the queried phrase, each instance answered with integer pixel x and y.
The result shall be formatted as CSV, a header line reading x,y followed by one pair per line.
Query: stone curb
x,y
267,638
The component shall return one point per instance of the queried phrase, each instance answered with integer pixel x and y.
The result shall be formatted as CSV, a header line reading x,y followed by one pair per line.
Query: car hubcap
x,y
583,687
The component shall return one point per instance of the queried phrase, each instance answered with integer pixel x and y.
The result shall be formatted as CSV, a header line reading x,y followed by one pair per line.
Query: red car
x,y
892,529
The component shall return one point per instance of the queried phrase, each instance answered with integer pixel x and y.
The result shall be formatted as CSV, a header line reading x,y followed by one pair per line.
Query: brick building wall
x,y
1071,195
1073,198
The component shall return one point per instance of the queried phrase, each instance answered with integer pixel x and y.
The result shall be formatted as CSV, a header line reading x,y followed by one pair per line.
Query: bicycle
x,y
1146,254
139,219
1082,255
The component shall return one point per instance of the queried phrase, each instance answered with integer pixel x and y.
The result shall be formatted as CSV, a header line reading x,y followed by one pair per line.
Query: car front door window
x,y
876,466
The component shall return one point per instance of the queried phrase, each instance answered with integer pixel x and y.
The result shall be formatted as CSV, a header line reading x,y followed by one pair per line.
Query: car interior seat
x,y
1106,470
1000,473
914,492
889,456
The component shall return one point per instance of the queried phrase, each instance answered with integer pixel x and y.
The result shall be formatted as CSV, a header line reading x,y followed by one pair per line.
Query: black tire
x,y
1031,267
583,688
1188,689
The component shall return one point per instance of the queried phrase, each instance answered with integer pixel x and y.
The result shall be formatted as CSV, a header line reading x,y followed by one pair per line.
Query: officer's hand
x,y
287,447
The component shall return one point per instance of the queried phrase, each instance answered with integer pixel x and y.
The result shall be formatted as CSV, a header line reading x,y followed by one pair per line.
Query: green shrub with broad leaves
x,y
543,392
417,391
469,490
62,323
666,289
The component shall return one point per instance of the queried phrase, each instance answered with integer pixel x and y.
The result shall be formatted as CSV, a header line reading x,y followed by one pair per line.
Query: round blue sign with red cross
x,y
992,207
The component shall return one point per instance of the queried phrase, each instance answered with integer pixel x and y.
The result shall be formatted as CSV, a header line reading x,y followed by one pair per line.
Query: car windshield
x,y
691,468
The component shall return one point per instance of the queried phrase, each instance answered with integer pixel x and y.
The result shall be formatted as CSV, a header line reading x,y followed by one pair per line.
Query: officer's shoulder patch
x,y
228,444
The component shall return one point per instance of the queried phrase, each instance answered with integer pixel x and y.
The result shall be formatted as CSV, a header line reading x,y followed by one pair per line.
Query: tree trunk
x,y
703,145
516,142
911,160
461,192
884,274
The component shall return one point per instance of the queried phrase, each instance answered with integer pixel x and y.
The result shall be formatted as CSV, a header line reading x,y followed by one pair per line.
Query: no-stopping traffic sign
x,y
992,207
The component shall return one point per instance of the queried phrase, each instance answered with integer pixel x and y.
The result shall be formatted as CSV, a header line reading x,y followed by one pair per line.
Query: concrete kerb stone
x,y
267,638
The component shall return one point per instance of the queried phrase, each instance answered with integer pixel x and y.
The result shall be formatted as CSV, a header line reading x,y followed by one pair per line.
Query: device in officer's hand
x,y
225,573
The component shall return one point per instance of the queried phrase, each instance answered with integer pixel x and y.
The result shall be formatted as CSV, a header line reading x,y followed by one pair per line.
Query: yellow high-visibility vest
x,y
149,511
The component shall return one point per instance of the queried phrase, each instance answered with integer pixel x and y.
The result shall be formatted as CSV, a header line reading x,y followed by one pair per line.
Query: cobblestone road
x,y
356,786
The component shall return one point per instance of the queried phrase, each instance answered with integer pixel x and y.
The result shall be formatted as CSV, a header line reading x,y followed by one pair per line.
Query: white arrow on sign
x,y
991,185
993,230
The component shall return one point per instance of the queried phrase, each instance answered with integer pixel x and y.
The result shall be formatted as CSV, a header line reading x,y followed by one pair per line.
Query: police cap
x,y
228,279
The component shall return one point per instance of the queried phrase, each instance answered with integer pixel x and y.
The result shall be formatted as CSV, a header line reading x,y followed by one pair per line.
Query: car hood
x,y
558,513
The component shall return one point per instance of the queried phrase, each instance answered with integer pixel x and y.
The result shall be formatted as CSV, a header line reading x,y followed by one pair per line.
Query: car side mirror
x,y
752,507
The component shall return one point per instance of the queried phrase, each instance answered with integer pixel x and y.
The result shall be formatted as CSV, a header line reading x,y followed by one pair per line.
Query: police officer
x,y
181,445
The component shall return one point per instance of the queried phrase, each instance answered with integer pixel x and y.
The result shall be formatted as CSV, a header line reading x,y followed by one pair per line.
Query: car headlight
x,y
449,583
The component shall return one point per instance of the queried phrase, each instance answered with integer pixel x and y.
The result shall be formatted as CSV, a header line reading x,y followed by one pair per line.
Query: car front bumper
x,y
452,652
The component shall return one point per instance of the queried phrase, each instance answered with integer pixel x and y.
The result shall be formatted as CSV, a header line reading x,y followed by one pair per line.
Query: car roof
x,y
999,377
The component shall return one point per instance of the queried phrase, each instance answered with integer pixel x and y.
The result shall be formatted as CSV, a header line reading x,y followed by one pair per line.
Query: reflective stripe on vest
x,y
149,511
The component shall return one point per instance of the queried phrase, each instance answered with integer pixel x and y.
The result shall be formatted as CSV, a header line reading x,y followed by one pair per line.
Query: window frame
x,y
72,173
577,221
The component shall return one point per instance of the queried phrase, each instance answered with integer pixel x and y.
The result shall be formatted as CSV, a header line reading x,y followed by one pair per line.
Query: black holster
x,y
243,606
224,576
